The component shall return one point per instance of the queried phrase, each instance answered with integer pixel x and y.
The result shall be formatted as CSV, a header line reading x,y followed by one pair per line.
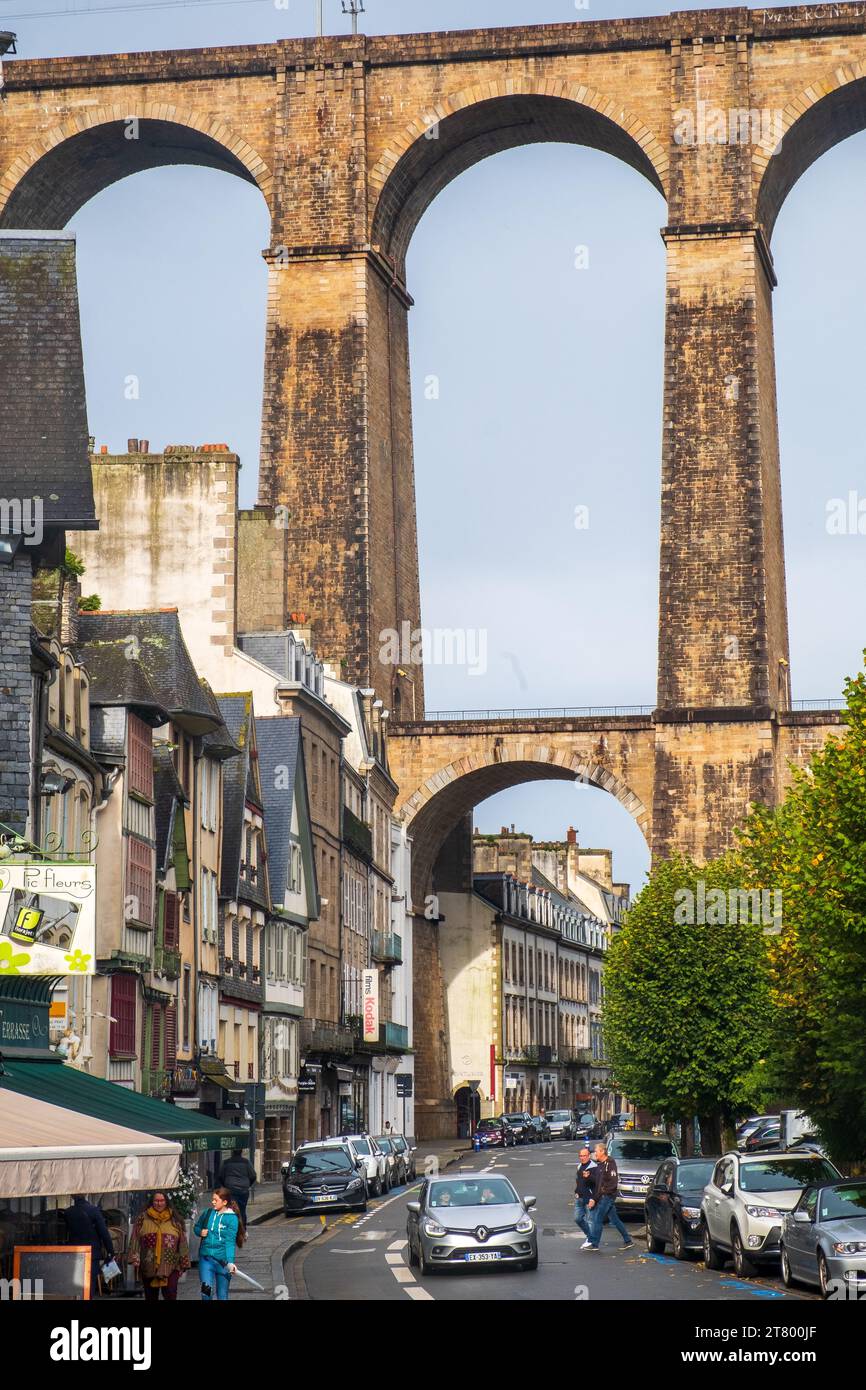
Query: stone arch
x,y
487,119
821,116
443,799
49,180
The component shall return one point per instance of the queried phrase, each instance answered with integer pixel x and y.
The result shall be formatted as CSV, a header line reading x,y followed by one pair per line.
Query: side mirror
x,y
728,1189
359,1163
802,1218
529,1202
414,1207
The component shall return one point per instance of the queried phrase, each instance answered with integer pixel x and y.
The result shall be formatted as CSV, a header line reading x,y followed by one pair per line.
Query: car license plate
x,y
328,1197
483,1257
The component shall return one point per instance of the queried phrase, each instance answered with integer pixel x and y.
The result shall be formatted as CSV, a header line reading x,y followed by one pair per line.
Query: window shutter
x,y
155,1036
139,879
140,771
171,925
122,1035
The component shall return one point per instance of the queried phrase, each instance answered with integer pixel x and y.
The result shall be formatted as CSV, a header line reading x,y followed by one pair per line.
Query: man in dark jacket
x,y
603,1204
86,1226
584,1192
239,1176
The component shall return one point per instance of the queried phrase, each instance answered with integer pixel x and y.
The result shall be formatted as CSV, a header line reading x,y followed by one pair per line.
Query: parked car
x,y
745,1202
540,1129
395,1160
764,1139
493,1134
561,1124
624,1120
407,1153
583,1124
824,1238
471,1220
364,1146
519,1126
323,1175
748,1127
672,1208
637,1157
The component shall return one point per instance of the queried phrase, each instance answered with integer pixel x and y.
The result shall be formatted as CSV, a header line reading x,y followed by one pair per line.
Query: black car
x,y
323,1176
765,1139
520,1127
584,1125
540,1129
673,1206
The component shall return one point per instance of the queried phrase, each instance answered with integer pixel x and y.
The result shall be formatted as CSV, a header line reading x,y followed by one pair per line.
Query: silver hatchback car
x,y
471,1220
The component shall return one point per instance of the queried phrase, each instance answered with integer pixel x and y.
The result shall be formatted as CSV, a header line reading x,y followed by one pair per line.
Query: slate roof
x,y
141,653
238,788
167,792
44,447
278,740
271,649
107,730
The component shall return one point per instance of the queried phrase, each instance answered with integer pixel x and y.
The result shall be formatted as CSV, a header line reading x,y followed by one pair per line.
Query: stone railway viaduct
x,y
349,140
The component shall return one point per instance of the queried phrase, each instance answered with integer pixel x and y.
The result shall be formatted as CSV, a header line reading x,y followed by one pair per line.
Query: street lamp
x,y
354,8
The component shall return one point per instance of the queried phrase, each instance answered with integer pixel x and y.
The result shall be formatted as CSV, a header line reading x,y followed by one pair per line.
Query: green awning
x,y
59,1084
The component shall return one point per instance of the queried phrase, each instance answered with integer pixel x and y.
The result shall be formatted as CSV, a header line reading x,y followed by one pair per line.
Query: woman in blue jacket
x,y
222,1233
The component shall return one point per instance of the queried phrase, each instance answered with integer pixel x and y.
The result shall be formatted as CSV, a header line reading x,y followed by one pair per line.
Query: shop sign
x,y
404,1081
370,1005
22,1025
307,1083
47,919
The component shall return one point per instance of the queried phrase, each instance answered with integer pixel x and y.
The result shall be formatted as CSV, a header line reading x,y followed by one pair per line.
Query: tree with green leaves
x,y
812,848
687,996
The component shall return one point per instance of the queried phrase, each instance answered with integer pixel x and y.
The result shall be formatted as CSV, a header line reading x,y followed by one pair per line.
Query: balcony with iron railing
x,y
387,947
393,1037
166,962
575,1056
156,1082
321,1035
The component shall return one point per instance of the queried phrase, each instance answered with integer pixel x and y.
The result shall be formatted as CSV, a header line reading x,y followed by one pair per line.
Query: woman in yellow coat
x,y
158,1249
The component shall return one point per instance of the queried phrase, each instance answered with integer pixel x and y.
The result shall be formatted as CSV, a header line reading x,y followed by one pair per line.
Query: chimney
x,y
571,836
144,446
69,611
504,830
132,446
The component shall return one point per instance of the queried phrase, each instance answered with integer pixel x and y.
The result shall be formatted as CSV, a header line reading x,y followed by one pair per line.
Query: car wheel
x,y
653,1244
743,1266
363,1206
413,1258
678,1244
423,1265
787,1276
823,1275
713,1256
531,1264
377,1186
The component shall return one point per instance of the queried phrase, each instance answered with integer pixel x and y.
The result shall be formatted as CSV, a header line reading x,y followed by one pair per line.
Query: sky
x,y
538,278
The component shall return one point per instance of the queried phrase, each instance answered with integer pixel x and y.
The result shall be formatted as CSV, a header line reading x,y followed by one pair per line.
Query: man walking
x,y
603,1203
239,1176
85,1225
584,1192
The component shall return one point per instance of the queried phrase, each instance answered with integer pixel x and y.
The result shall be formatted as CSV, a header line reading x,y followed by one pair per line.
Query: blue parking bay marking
x,y
752,1288
659,1259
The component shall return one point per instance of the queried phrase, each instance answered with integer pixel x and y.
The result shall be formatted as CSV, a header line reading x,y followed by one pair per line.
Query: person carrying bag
x,y
222,1233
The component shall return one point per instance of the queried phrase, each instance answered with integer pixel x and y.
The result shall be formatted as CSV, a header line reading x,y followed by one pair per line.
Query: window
x,y
187,1001
139,881
280,952
155,1036
208,907
171,925
170,1036
140,751
122,1035
295,870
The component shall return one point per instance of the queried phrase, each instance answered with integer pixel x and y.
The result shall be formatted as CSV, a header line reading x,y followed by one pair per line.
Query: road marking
x,y
418,1294
403,1275
393,1259
397,1244
372,1235
536,1165
339,1250
753,1289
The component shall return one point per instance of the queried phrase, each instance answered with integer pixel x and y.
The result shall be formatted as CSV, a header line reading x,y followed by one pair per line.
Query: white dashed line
x,y
397,1244
418,1294
403,1275
394,1259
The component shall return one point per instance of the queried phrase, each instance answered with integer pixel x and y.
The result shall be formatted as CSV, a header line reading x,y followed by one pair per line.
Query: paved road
x,y
365,1257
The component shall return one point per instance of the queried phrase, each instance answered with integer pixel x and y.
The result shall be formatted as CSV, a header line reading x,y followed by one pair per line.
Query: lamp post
x,y
354,8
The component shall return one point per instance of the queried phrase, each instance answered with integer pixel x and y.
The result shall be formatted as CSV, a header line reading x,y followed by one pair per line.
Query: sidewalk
x,y
272,1240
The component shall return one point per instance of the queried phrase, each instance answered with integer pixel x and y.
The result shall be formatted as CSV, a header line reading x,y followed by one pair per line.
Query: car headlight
x,y
525,1225
849,1247
432,1228
767,1213
356,1182
295,1191
692,1213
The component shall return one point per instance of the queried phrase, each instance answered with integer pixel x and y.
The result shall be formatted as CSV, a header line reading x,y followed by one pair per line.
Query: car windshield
x,y
486,1192
322,1161
399,1144
361,1146
488,1124
694,1175
786,1174
841,1203
384,1145
516,1119
559,1116
587,1119
648,1150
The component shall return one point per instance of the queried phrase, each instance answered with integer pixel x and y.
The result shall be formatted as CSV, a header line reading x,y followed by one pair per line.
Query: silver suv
x,y
745,1202
637,1157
